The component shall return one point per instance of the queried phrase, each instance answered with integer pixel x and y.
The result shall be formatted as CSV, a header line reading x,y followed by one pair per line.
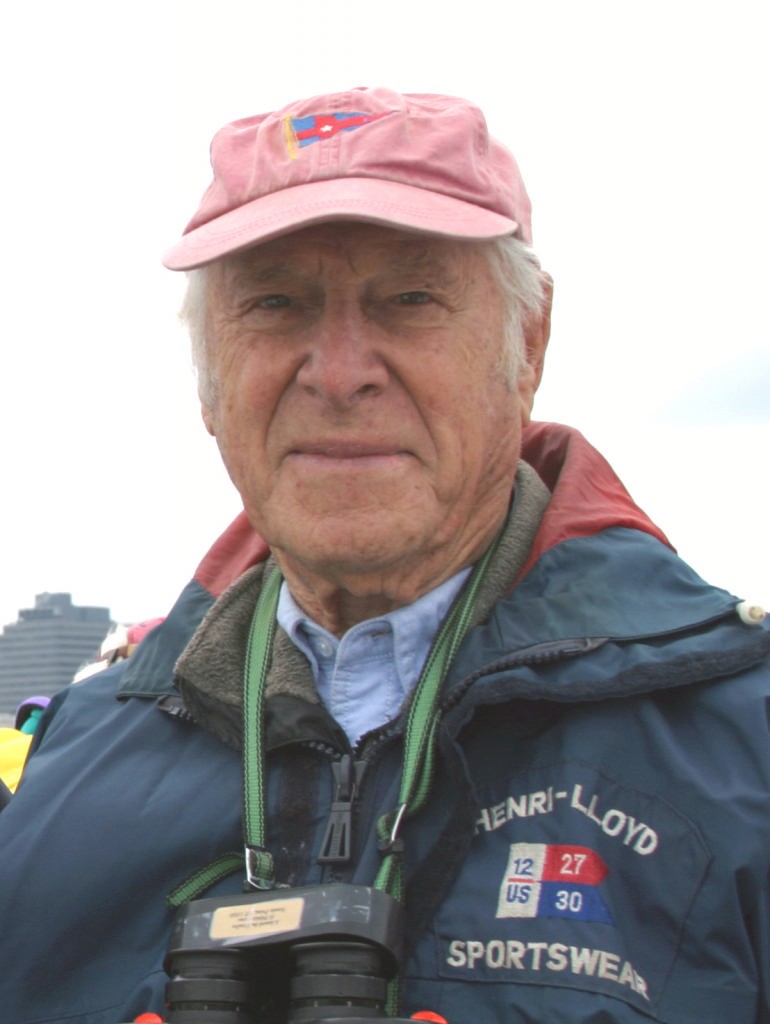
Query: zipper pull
x,y
336,847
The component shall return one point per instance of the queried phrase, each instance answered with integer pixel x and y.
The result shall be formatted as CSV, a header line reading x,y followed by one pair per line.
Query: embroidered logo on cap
x,y
304,131
549,880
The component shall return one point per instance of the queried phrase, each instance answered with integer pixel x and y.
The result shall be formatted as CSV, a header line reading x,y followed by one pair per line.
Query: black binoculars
x,y
285,956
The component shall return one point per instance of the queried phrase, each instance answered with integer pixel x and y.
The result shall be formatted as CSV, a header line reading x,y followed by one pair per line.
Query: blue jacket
x,y
597,841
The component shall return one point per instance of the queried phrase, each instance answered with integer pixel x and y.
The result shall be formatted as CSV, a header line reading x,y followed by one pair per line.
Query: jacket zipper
x,y
538,654
337,843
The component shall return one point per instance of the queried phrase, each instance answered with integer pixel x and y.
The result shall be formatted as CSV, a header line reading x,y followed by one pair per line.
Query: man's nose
x,y
343,363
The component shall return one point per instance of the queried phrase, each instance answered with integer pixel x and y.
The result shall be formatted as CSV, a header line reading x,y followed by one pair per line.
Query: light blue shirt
x,y
364,677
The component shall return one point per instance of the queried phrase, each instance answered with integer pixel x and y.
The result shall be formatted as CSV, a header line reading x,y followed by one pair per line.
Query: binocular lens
x,y
336,980
210,988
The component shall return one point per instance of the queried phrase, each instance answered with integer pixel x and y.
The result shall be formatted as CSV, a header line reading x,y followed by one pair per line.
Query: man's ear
x,y
537,331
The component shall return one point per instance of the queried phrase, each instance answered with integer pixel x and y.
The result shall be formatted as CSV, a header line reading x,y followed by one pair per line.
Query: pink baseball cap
x,y
421,162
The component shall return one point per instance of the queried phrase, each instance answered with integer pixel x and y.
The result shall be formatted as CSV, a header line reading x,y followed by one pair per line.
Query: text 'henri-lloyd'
x,y
614,821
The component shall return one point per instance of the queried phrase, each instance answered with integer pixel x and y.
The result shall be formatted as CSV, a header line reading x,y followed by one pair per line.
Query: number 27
x,y
572,863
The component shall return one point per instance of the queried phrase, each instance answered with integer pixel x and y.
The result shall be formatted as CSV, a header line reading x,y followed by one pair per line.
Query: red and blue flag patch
x,y
304,131
550,880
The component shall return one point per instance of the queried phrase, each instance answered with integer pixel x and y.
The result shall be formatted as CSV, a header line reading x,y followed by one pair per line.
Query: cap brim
x,y
372,200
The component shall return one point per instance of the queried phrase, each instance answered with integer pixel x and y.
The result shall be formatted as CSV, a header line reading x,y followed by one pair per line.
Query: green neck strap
x,y
419,738
260,871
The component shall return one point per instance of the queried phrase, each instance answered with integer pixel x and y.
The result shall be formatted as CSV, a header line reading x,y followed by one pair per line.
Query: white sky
x,y
642,132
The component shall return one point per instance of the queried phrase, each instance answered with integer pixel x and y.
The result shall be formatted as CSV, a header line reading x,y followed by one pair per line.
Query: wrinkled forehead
x,y
357,249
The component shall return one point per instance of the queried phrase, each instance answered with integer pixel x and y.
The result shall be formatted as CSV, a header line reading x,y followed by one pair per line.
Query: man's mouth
x,y
358,455
347,450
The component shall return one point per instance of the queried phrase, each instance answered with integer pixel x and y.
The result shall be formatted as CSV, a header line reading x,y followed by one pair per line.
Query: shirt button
x,y
325,647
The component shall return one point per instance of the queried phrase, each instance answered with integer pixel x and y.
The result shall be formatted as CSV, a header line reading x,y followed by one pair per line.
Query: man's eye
x,y
274,302
413,298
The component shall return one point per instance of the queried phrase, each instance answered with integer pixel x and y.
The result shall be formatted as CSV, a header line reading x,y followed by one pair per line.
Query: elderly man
x,y
442,659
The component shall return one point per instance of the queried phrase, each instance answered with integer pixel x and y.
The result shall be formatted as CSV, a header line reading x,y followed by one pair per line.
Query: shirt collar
x,y
404,637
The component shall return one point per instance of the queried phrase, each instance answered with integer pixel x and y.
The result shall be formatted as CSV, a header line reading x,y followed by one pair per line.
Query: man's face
x,y
359,406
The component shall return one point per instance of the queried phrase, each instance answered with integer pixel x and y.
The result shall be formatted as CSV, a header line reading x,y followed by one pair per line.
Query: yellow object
x,y
14,746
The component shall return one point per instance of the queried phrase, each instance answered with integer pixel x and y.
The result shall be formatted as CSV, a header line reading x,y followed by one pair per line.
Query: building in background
x,y
42,651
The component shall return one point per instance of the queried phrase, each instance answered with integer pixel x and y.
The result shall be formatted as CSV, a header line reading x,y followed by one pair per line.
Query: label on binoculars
x,y
253,920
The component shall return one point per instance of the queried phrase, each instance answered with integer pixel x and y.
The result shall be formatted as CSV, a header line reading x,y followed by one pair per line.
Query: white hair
x,y
193,316
517,271
513,264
